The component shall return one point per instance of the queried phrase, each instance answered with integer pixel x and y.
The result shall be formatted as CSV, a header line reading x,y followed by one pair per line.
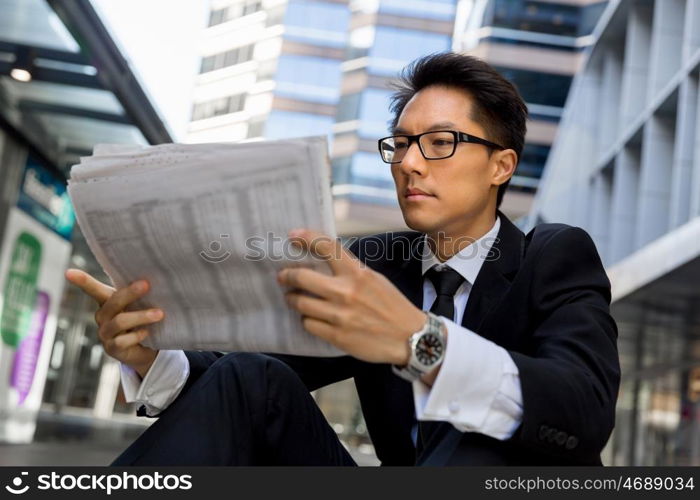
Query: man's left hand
x,y
356,309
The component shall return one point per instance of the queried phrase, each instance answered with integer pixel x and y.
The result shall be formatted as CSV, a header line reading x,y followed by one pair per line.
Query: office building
x,y
281,68
269,69
626,167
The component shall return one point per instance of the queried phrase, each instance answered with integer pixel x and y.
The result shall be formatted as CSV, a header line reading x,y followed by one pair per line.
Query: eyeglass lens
x,y
434,145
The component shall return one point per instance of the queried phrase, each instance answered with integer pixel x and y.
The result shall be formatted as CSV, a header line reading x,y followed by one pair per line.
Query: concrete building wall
x,y
628,137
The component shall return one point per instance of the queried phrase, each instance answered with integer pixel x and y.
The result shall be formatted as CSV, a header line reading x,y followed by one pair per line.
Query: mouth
x,y
415,194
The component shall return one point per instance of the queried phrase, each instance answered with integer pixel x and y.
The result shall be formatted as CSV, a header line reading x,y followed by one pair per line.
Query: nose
x,y
413,161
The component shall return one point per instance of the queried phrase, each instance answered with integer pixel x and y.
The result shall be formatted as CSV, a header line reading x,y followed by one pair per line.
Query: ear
x,y
503,165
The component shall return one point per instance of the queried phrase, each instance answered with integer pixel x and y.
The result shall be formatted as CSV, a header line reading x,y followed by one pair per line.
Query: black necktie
x,y
446,282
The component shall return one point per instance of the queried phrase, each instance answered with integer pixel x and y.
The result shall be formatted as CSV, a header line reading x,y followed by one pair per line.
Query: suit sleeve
x,y
571,375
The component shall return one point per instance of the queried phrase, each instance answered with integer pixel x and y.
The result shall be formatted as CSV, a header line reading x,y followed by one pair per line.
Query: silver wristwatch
x,y
427,348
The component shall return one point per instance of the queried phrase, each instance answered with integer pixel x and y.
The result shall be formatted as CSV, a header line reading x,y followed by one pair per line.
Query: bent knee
x,y
251,364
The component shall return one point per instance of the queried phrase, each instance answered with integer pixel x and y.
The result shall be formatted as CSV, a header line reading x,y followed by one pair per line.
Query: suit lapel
x,y
491,284
407,276
496,274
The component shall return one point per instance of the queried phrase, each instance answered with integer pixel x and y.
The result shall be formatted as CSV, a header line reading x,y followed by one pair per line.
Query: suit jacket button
x,y
544,430
560,438
571,443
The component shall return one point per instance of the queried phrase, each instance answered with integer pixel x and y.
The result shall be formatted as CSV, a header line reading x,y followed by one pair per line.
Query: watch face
x,y
429,349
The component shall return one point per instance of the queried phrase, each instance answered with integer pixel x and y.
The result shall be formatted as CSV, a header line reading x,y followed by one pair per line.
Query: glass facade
x,y
388,50
304,74
394,48
318,23
537,87
545,17
658,410
307,78
286,124
374,113
443,10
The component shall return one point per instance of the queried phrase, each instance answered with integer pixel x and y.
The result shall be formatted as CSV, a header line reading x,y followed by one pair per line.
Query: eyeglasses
x,y
433,145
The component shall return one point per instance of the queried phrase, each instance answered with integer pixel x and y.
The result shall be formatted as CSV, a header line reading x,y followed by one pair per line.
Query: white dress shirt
x,y
476,390
478,386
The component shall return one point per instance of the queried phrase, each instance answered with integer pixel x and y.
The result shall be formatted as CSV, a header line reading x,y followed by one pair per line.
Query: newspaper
x,y
207,226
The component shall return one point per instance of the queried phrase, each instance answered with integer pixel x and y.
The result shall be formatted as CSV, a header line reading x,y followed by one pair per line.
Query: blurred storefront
x,y
64,87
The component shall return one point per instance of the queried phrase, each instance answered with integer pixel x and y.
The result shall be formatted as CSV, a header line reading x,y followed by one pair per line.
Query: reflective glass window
x,y
546,17
308,78
430,9
286,124
537,87
393,48
369,170
317,22
374,113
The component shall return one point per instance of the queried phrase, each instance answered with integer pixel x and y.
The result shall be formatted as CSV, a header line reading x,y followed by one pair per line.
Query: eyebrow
x,y
436,126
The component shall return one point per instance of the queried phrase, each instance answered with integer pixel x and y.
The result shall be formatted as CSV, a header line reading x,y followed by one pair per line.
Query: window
x,y
229,58
532,161
546,17
432,9
286,124
256,128
218,16
309,78
348,108
218,107
393,48
374,113
240,9
317,22
369,170
341,169
539,88
251,7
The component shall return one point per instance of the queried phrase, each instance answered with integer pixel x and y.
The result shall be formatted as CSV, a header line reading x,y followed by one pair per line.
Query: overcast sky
x,y
160,38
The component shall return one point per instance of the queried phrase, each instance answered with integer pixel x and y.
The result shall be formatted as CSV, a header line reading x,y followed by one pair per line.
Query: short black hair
x,y
498,106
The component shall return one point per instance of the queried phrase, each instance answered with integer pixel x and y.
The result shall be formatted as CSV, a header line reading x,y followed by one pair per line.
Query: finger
x,y
130,339
322,330
128,320
327,248
120,299
309,280
315,308
94,288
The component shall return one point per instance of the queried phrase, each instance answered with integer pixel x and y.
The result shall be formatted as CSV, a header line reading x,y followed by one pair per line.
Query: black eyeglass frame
x,y
458,137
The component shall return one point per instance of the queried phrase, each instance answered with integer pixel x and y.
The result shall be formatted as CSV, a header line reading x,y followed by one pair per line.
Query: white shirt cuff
x,y
161,385
477,388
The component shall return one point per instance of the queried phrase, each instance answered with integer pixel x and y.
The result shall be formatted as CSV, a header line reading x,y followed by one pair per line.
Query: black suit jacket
x,y
545,298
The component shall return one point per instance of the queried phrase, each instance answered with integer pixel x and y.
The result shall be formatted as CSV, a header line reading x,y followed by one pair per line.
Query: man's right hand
x,y
121,332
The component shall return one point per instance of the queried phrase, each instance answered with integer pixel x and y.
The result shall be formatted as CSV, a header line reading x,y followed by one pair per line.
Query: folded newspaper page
x,y
207,226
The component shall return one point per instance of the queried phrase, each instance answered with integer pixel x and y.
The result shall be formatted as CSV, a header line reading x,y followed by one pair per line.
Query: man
x,y
515,361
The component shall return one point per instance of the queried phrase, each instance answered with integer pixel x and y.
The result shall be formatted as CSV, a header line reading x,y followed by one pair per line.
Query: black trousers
x,y
246,409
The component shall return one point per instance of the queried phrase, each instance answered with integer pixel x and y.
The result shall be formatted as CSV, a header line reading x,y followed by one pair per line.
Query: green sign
x,y
19,293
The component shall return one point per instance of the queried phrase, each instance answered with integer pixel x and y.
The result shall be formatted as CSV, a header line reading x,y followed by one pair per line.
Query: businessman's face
x,y
457,189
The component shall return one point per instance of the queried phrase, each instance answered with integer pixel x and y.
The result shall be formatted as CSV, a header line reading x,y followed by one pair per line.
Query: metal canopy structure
x,y
82,90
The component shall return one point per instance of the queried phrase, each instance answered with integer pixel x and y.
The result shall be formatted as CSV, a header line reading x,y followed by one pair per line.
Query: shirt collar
x,y
467,261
